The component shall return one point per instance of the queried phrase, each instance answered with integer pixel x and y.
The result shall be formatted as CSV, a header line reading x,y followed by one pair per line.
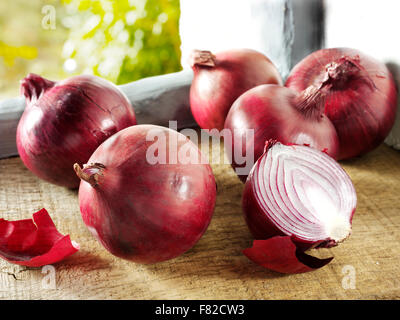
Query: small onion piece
x,y
65,121
298,192
362,100
142,209
280,254
221,78
34,242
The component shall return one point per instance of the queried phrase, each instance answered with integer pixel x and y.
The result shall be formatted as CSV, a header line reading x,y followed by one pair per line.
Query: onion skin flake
x,y
34,242
280,254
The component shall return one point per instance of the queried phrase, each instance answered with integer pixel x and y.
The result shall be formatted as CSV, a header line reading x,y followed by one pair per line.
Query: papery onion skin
x,y
280,254
279,113
259,218
34,242
145,212
362,102
221,78
65,121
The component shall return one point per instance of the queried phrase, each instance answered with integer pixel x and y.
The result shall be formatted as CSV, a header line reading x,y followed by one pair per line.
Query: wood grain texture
x,y
215,268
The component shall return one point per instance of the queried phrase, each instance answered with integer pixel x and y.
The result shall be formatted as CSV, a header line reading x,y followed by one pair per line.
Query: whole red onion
x,y
296,198
220,79
141,209
64,122
279,113
362,99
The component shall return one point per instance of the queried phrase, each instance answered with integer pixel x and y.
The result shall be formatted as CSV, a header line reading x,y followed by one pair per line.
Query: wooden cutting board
x,y
365,266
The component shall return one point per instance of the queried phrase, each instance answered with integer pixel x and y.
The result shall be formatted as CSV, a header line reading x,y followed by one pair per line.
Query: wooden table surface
x,y
215,268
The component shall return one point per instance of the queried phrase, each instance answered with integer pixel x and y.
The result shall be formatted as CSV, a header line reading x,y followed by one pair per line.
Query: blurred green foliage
x,y
26,46
123,40
10,53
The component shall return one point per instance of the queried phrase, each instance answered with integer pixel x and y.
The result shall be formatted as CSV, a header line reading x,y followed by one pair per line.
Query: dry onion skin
x,y
34,242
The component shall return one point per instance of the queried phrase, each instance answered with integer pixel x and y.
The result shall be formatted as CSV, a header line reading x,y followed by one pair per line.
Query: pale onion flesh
x,y
299,192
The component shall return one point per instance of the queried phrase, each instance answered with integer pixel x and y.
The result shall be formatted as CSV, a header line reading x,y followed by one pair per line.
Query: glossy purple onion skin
x,y
214,89
64,122
362,110
142,212
271,112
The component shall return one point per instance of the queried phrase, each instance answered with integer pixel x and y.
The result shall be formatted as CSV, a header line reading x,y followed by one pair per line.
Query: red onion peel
x,y
221,78
64,122
280,254
361,100
301,193
34,242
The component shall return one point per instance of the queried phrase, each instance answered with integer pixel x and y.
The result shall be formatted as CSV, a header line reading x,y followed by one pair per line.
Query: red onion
x,y
297,193
64,122
279,113
143,210
362,98
220,79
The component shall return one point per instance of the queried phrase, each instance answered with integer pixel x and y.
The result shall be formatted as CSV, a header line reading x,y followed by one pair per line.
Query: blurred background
x,y
122,40
126,40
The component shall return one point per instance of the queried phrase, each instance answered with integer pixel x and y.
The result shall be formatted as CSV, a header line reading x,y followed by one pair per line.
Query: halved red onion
x,y
300,192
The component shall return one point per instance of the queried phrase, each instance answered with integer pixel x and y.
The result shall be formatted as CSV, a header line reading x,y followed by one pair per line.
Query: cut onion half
x,y
299,192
